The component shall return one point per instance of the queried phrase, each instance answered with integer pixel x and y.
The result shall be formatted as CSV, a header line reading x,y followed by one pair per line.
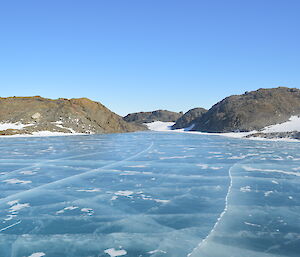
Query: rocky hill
x,y
187,119
147,117
33,114
251,111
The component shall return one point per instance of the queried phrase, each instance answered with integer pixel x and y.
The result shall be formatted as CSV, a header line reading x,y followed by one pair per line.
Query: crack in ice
x,y
77,175
12,225
203,241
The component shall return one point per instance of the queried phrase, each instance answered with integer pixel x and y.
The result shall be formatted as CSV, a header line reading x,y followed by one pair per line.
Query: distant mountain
x,y
62,115
147,117
187,119
251,111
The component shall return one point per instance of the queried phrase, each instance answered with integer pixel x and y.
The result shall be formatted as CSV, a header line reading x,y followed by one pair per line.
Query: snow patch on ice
x,y
137,166
114,253
88,211
9,217
89,190
18,206
245,189
202,166
13,202
175,157
206,166
161,201
138,195
131,172
237,157
69,208
268,193
125,193
16,181
252,224
247,168
156,251
27,172
114,197
39,254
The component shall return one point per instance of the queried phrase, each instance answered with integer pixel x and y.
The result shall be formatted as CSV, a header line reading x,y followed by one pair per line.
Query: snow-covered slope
x,y
9,125
290,126
20,126
167,126
293,124
160,125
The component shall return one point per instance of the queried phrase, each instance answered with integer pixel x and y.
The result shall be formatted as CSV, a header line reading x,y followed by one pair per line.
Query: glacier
x,y
149,194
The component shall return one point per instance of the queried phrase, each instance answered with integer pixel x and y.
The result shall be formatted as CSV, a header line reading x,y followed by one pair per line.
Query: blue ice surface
x,y
149,194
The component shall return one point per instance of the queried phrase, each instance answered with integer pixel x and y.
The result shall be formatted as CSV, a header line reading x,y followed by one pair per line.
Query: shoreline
x,y
160,126
43,134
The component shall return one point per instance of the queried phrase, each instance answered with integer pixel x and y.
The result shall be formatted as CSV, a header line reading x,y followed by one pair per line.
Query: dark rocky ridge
x,y
276,135
147,117
186,120
62,115
251,111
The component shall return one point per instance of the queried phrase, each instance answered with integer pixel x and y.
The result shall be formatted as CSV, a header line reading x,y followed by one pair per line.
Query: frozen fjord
x,y
148,194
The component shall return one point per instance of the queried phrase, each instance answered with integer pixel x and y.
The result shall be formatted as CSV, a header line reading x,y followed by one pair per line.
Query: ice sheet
x,y
148,194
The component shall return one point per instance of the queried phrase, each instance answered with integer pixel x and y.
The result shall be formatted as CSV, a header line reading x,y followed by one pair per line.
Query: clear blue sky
x,y
141,55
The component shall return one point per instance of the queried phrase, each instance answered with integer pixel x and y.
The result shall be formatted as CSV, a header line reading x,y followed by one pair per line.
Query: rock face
x,y
276,135
251,111
187,119
147,117
62,115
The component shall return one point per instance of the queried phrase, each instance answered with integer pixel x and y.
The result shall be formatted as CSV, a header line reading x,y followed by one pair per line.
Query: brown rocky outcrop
x,y
62,115
147,117
188,118
251,111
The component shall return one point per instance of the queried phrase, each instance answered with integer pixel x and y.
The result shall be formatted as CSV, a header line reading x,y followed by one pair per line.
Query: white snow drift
x,y
293,124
